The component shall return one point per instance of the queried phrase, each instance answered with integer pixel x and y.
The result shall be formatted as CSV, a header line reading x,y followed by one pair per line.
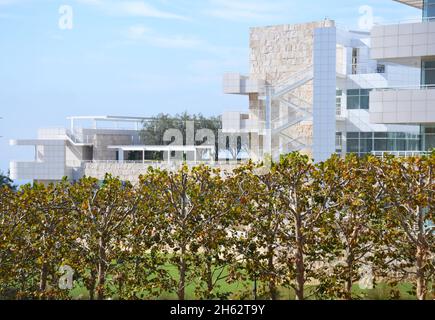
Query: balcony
x,y
235,83
402,41
49,163
239,122
403,105
35,170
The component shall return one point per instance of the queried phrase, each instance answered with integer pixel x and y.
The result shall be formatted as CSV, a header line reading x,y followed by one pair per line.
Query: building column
x,y
267,142
324,91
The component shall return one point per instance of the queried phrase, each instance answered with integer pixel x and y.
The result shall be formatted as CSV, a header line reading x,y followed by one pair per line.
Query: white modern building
x,y
96,145
408,44
321,89
315,88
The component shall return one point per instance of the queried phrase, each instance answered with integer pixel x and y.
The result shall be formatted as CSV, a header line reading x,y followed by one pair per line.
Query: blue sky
x,y
137,58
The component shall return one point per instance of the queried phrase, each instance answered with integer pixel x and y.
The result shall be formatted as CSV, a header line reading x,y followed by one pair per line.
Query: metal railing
x,y
294,81
415,87
383,154
405,21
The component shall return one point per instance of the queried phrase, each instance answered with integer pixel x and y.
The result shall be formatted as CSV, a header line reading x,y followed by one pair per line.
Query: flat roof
x,y
413,3
110,118
162,148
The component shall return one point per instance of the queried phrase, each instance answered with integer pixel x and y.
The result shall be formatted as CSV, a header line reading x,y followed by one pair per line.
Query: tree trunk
x,y
272,286
209,279
91,287
421,281
181,292
300,263
43,277
349,277
254,290
101,279
420,257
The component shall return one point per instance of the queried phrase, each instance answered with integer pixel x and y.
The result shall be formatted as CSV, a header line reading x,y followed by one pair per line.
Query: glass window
x,y
430,130
414,145
364,102
352,146
401,135
428,72
366,145
358,99
366,135
429,9
338,140
380,144
380,68
338,102
355,60
401,145
353,92
381,135
352,135
352,102
365,142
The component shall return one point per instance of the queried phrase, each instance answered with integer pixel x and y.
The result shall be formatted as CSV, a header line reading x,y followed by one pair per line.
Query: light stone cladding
x,y
49,161
60,153
407,45
404,106
325,85
132,171
399,41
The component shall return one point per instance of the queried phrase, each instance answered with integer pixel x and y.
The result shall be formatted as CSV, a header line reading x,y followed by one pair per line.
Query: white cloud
x,y
132,8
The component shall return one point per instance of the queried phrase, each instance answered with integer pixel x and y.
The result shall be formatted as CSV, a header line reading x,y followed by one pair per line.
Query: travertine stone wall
x,y
277,53
132,171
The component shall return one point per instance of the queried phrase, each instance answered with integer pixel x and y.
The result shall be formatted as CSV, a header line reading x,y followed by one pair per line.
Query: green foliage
x,y
153,131
5,181
301,230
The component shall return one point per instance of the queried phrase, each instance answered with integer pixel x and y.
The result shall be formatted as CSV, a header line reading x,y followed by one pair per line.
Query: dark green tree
x,y
6,181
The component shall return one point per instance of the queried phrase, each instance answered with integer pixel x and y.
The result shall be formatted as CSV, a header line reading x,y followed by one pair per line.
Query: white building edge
x,y
314,88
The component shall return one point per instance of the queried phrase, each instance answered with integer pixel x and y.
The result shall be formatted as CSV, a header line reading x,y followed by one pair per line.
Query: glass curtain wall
x,y
363,143
428,73
429,10
428,138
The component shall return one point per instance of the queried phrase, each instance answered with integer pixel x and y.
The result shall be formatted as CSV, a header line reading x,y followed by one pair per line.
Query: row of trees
x,y
301,225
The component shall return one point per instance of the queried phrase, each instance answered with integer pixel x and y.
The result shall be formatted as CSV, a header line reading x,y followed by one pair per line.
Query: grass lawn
x,y
380,292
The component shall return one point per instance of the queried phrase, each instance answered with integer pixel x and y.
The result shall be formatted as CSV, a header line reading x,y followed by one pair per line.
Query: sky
x,y
61,58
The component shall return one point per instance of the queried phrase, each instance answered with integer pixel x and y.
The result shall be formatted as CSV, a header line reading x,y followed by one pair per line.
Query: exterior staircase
x,y
295,81
301,110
